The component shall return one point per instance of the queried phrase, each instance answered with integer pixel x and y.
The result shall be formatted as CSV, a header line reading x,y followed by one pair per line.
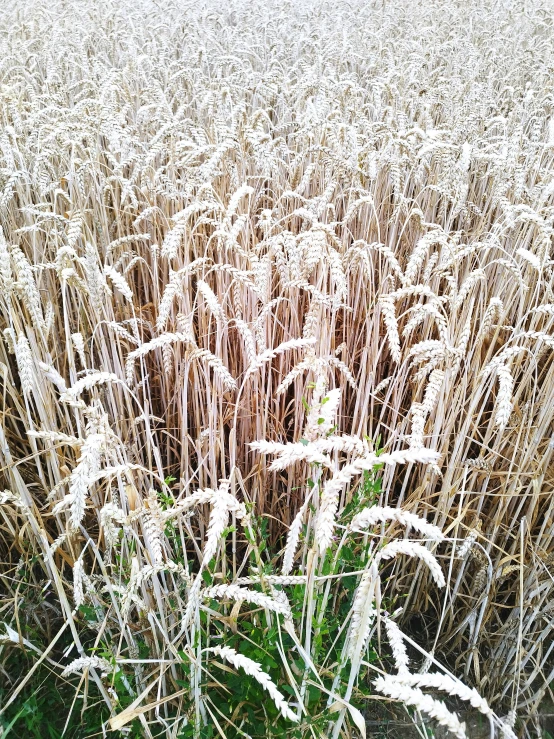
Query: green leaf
x,y
88,612
314,694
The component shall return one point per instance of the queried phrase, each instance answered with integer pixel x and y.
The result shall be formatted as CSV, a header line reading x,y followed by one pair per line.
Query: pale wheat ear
x,y
293,537
409,696
396,641
377,514
86,663
239,594
254,669
456,688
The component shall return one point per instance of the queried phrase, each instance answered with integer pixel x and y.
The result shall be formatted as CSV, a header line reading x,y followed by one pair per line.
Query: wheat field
x,y
276,368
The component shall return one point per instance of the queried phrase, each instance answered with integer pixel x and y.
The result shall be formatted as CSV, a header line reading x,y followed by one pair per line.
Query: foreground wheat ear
x,y
276,366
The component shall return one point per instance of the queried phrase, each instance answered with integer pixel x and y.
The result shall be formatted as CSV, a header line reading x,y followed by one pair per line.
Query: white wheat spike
x,y
242,191
418,426
129,594
270,354
311,429
343,369
110,514
468,284
504,398
193,601
56,544
222,504
80,479
268,447
529,257
397,690
546,309
449,685
295,372
298,452
212,302
382,385
86,383
25,365
78,593
408,456
325,522
26,282
417,257
6,277
254,670
156,343
363,613
386,303
328,410
396,641
9,338
200,497
314,451
55,436
172,241
120,282
377,514
417,290
293,537
411,549
387,253
234,592
343,443
123,240
122,331
79,344
273,580
248,340
432,390
152,522
216,365
465,547
85,663
428,347
172,289
494,310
